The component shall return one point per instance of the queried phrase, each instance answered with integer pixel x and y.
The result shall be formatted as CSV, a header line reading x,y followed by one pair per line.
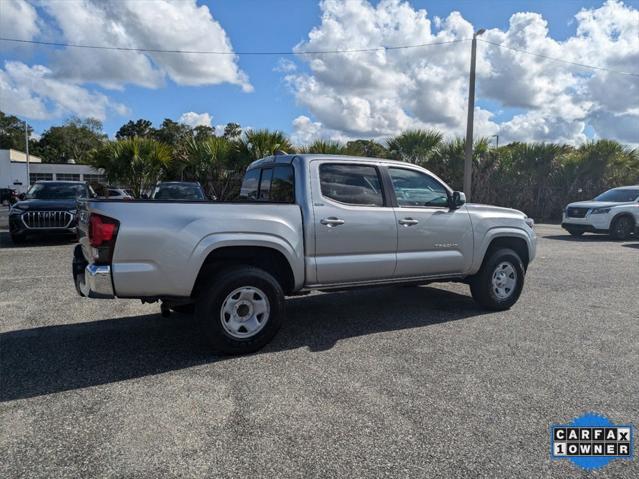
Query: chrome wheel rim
x,y
504,280
245,312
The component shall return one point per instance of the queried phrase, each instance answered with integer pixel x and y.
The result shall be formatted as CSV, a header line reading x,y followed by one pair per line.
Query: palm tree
x,y
415,146
328,147
135,162
256,144
209,162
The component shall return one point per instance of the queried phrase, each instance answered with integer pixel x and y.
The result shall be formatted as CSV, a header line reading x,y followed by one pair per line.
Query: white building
x,y
13,171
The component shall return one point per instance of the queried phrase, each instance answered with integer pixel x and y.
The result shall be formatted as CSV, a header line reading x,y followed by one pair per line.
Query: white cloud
x,y
163,24
384,92
284,65
34,92
196,119
18,19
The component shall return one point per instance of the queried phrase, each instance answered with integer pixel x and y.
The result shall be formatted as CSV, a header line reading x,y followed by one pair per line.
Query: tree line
x,y
537,178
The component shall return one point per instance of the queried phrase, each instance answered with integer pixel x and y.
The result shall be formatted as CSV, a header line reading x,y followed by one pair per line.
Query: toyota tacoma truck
x,y
302,223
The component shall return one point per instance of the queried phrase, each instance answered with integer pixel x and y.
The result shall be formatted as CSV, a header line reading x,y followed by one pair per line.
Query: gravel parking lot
x,y
397,382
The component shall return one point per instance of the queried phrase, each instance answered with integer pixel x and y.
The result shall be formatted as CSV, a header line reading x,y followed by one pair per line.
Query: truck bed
x,y
161,245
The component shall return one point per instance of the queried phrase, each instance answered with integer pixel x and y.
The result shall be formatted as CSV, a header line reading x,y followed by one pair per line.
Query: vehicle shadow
x,y
631,245
52,359
49,240
586,238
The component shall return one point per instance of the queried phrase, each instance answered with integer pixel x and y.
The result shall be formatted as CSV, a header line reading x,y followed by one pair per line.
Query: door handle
x,y
408,222
331,221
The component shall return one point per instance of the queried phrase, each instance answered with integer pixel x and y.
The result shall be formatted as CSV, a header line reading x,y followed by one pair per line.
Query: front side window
x,y
619,196
414,188
357,185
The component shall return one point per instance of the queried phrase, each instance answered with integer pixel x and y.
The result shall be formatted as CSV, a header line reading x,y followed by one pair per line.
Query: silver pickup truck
x,y
303,222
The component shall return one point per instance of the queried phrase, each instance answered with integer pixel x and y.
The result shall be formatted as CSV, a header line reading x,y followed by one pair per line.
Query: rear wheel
x,y
499,282
240,310
621,228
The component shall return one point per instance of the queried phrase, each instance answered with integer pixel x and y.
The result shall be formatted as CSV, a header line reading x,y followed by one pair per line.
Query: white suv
x,y
615,212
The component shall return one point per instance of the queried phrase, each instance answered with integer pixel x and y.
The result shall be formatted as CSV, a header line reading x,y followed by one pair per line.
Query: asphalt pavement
x,y
395,382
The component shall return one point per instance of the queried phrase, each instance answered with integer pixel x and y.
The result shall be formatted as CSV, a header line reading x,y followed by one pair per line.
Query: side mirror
x,y
22,196
457,200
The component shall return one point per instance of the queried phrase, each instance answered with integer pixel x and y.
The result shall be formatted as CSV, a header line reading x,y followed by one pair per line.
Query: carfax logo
x,y
591,441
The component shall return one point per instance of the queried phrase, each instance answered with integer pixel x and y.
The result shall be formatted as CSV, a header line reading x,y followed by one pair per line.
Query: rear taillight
x,y
102,234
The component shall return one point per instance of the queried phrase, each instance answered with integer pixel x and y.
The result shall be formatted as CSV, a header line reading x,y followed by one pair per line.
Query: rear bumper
x,y
91,280
97,279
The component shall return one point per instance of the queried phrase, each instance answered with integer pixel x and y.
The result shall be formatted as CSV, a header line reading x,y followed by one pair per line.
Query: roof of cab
x,y
288,159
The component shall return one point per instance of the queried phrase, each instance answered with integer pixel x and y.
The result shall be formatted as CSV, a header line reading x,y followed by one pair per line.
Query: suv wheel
x,y
499,282
240,310
621,228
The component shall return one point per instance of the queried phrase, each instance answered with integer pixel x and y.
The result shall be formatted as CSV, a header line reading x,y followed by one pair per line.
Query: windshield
x,y
57,191
619,196
178,192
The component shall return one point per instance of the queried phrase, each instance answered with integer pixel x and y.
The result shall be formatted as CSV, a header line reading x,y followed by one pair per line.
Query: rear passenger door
x,y
355,226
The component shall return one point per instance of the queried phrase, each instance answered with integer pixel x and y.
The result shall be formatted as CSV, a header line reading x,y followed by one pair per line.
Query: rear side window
x,y
351,184
274,184
250,185
282,189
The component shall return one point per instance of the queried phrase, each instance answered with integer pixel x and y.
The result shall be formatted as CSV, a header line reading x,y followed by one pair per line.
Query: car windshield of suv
x,y
56,191
619,196
178,192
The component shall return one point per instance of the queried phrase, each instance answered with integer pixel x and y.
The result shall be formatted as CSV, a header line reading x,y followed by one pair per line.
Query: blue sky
x,y
278,25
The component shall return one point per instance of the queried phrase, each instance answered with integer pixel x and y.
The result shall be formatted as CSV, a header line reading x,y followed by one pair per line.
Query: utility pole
x,y
468,160
26,149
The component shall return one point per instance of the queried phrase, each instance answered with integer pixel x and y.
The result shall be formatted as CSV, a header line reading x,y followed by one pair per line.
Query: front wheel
x,y
621,228
240,310
498,284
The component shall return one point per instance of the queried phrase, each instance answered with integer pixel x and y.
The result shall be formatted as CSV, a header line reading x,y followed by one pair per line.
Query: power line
x,y
582,65
310,52
214,52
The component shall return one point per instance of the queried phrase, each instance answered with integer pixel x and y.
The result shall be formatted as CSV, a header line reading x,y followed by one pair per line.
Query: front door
x,y
355,227
432,239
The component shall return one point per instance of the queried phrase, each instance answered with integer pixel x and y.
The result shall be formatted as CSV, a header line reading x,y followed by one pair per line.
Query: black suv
x,y
48,207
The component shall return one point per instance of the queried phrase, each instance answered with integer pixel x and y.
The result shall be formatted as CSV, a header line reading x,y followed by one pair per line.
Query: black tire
x,y
621,228
481,284
575,233
211,300
184,308
77,269
18,238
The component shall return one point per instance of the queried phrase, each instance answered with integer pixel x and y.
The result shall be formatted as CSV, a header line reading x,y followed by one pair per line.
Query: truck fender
x,y
499,232
214,241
